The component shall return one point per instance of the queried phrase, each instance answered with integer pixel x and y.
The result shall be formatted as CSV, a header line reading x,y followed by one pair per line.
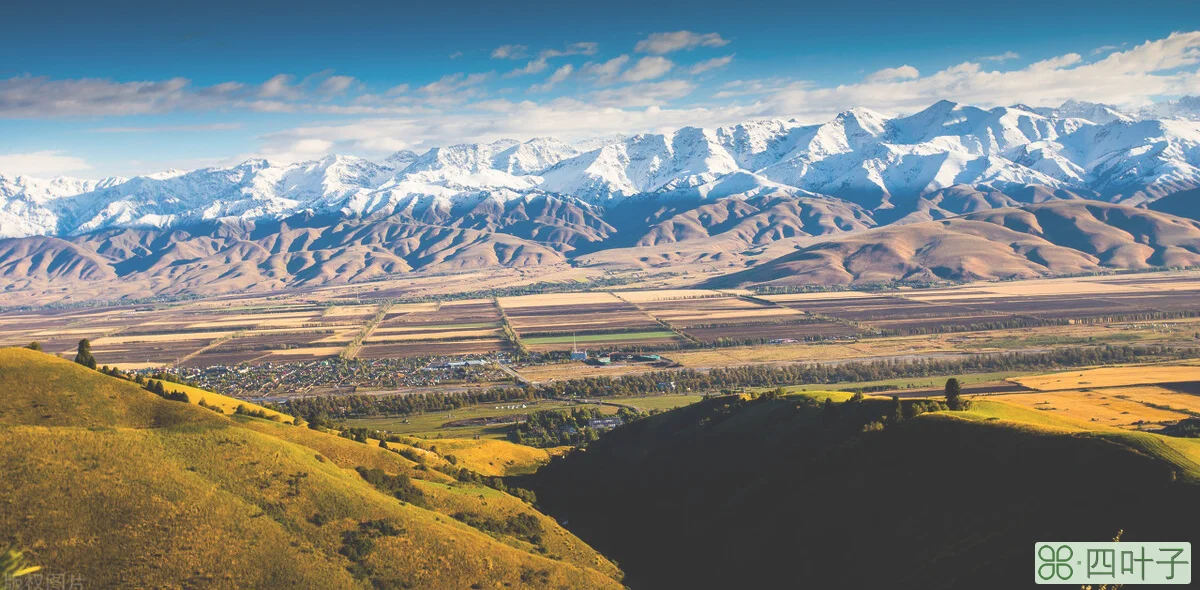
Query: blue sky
x,y
91,89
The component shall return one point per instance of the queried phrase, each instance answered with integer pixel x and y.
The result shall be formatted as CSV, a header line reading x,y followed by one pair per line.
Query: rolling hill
x,y
738,493
960,234
1056,237
105,480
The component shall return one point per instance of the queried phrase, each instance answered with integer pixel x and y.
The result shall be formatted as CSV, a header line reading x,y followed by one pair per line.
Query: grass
x,y
432,424
127,489
614,337
228,404
1112,377
1116,407
656,402
491,457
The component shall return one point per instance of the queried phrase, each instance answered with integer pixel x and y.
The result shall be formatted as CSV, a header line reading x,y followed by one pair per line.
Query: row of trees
x,y
727,379
556,428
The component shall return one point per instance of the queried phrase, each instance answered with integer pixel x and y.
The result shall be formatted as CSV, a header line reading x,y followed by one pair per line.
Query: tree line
x,y
727,379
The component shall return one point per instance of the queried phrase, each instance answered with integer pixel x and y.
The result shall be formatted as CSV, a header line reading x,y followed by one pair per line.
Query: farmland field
x,y
1113,377
605,338
694,327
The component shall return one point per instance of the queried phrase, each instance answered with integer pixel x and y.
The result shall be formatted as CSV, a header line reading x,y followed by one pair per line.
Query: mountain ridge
x,y
860,156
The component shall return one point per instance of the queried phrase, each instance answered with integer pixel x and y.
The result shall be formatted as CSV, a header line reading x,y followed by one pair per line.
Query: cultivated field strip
x,y
233,330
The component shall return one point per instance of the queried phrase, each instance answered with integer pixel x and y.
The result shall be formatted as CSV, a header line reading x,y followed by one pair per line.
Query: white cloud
x,y
605,72
536,66
737,88
279,86
451,109
581,48
1007,55
510,52
661,43
1161,67
335,85
454,83
710,64
904,72
37,97
43,97
642,95
1133,77
43,163
1057,63
456,55
565,118
557,77
647,68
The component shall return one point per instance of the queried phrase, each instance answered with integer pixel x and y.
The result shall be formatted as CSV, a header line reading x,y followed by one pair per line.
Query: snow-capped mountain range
x,y
860,156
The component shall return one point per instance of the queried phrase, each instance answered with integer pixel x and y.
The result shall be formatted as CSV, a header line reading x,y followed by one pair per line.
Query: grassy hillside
x,y
111,482
227,404
732,492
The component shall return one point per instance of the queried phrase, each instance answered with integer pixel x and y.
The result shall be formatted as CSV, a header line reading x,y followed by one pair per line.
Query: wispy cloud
x,y
1007,55
536,66
647,68
581,48
605,72
559,75
661,43
335,85
710,64
904,72
510,52
642,95
44,97
454,83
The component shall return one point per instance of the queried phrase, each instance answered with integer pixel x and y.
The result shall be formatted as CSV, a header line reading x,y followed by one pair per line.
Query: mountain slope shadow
x,y
731,493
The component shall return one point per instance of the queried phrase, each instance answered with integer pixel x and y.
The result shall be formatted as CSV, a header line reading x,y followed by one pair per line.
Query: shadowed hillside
x,y
732,493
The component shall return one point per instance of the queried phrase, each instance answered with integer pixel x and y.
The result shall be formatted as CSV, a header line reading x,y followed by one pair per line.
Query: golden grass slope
x,y
491,457
227,404
105,480
1112,377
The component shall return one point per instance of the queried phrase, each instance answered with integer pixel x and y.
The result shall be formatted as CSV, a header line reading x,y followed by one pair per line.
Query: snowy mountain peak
x,y
859,155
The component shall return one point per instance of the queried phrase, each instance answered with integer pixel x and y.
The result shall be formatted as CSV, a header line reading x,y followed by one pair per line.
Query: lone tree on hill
x,y
84,356
35,345
953,394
